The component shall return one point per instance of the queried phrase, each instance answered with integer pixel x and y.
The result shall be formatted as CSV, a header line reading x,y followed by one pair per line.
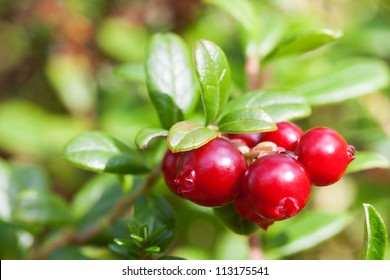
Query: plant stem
x,y
70,236
252,70
255,251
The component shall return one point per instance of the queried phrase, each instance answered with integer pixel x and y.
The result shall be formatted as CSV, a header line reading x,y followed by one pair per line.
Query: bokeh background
x,y
68,66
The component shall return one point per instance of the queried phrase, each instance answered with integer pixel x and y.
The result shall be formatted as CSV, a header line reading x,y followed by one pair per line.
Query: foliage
x,y
110,93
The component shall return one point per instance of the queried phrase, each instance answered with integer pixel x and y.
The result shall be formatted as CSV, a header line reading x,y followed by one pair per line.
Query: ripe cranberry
x,y
209,175
249,139
246,212
276,187
286,135
325,155
169,169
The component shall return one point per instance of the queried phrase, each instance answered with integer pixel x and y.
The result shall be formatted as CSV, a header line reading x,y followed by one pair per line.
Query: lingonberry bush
x,y
236,147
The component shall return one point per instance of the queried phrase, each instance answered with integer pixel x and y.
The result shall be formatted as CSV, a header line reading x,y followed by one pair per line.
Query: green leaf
x,y
155,215
8,242
348,80
145,135
212,69
132,72
95,199
185,136
301,233
281,106
41,208
170,79
368,160
375,235
97,151
228,215
246,120
304,43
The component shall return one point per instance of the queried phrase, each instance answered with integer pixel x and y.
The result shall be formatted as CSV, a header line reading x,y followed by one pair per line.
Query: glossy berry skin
x,y
286,136
325,155
169,170
246,212
276,187
249,139
209,175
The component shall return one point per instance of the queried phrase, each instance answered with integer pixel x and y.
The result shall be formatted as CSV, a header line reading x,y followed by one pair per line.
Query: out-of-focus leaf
x,y
228,215
212,69
296,235
281,106
170,79
304,43
68,253
241,10
132,72
97,151
95,199
27,129
8,242
186,135
73,83
122,40
41,208
368,160
5,201
246,120
375,235
145,135
231,246
348,80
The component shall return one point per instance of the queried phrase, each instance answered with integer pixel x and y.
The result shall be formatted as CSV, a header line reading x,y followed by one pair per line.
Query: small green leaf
x,y
185,136
41,208
170,79
368,160
281,106
375,235
348,80
304,43
132,72
8,242
228,215
145,135
301,233
246,120
97,151
153,250
212,69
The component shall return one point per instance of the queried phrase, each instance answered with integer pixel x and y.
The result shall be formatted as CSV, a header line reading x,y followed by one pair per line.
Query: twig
x,y
255,251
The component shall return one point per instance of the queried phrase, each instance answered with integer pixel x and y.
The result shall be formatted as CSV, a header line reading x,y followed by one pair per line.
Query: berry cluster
x,y
266,176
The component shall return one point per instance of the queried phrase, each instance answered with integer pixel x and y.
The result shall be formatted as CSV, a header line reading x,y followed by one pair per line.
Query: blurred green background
x,y
68,66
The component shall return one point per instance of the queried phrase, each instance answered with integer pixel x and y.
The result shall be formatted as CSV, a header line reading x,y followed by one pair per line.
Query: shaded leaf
x,y
228,215
368,160
212,69
8,242
281,106
246,120
299,234
145,135
375,235
348,80
186,135
170,79
304,43
97,151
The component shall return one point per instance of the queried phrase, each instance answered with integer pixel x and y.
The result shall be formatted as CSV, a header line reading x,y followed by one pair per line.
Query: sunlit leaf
x,y
368,160
145,135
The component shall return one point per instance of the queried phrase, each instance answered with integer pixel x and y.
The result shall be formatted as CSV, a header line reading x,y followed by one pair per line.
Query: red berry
x,y
325,155
249,139
169,169
209,175
286,135
246,212
276,187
